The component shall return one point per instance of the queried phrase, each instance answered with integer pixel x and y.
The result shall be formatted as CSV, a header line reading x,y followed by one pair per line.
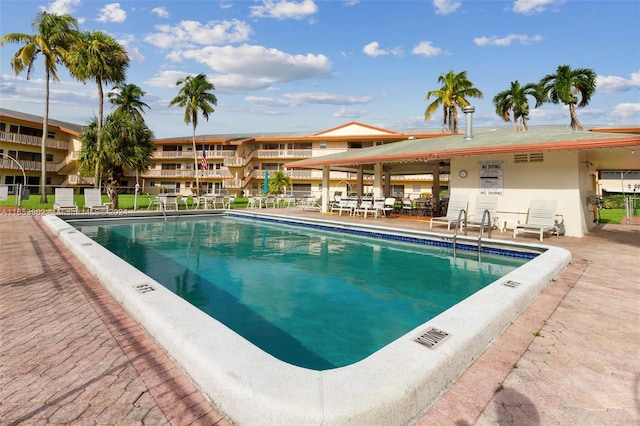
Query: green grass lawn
x,y
125,202
613,216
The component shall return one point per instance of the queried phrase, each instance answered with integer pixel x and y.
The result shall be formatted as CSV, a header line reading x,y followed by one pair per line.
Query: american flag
x,y
203,164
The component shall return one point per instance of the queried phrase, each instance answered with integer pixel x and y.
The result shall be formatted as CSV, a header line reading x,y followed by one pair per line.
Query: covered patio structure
x,y
517,166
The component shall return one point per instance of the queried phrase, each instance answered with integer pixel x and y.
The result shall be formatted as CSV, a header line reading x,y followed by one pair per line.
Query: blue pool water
x,y
316,299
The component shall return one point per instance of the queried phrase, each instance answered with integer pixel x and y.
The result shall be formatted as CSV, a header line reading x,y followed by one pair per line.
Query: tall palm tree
x,y
127,98
100,58
455,90
53,37
195,97
564,87
127,145
515,100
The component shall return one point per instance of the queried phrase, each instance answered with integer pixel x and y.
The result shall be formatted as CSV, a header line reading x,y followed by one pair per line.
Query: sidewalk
x,y
71,355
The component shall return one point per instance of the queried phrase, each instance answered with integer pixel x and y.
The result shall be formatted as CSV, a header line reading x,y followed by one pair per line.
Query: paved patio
x,y
71,355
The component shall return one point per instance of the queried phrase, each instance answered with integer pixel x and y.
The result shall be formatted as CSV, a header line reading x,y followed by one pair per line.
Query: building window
x,y
323,145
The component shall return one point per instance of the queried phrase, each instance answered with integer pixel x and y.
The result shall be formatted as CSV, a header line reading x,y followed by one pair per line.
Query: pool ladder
x,y
486,214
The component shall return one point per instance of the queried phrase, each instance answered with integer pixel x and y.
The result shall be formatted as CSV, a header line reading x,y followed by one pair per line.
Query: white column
x,y
377,180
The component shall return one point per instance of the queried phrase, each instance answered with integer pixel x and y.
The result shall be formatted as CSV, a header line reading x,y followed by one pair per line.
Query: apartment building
x,y
226,163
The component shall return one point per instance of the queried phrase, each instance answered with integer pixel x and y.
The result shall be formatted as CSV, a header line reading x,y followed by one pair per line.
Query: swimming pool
x,y
393,386
310,297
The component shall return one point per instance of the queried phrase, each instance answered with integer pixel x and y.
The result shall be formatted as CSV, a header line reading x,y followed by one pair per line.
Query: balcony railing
x,y
160,155
284,153
183,173
80,180
27,165
33,140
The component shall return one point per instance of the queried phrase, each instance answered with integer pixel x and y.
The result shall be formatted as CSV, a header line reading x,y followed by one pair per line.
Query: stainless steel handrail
x,y
458,224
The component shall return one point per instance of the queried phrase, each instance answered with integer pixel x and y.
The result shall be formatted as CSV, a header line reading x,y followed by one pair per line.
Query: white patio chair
x,y
540,219
457,202
63,202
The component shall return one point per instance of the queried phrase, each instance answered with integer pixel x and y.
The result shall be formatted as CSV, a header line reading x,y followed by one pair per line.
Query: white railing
x,y
159,155
26,165
183,173
232,184
74,156
235,161
80,180
33,140
284,153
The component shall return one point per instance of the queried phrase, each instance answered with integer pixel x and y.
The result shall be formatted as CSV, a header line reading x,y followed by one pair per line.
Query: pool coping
x,y
395,385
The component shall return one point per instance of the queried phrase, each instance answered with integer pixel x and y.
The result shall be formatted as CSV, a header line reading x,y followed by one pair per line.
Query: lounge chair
x,y
365,207
541,219
310,203
64,201
457,202
93,200
484,203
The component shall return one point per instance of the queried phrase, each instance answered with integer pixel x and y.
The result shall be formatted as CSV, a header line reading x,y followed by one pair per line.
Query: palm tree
x,y
127,145
564,87
455,90
279,181
195,97
514,100
127,98
99,57
53,36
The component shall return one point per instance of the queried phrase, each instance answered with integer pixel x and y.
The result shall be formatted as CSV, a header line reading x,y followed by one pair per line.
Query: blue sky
x,y
309,65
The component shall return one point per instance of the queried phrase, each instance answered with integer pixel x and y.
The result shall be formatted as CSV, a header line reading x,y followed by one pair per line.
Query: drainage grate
x,y
512,284
144,288
432,337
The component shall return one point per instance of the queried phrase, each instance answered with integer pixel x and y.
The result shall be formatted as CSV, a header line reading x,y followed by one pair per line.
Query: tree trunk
x,y
575,124
97,177
195,160
111,185
43,147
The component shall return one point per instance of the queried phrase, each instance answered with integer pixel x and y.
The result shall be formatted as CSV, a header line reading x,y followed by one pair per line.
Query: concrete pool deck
x,y
70,354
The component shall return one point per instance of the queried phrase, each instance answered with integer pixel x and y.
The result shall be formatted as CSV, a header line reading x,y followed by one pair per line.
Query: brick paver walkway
x,y
70,354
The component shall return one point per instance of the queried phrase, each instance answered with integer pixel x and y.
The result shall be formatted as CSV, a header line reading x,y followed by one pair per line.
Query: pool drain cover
x,y
144,288
432,337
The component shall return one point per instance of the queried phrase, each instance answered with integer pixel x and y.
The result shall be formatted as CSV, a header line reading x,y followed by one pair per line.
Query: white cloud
x,y
61,7
160,12
191,33
507,40
112,13
611,84
283,9
445,7
626,110
373,49
128,42
166,79
532,7
299,99
350,113
258,62
425,48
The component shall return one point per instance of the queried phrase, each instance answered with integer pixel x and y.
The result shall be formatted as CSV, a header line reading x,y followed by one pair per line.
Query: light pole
x,y
634,188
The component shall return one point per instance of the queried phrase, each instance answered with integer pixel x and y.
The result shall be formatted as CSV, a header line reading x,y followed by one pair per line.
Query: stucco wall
x,y
560,176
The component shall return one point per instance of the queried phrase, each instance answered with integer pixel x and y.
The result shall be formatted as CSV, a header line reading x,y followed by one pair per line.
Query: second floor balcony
x,y
33,140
